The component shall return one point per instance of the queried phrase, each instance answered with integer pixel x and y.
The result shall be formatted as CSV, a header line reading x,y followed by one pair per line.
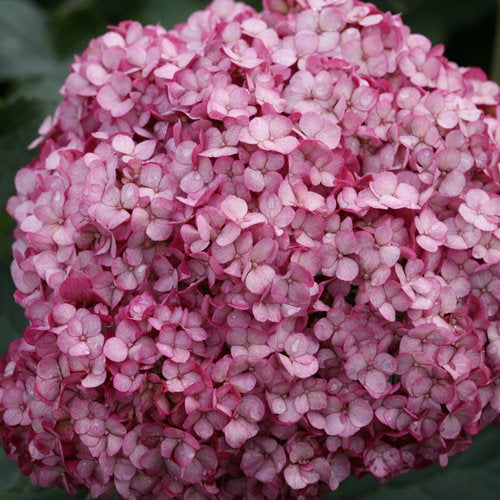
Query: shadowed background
x,y
37,41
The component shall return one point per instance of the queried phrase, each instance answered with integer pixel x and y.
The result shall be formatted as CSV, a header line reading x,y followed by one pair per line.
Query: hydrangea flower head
x,y
258,253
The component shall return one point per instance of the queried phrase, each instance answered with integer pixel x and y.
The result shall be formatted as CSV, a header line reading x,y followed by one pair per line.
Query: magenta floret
x,y
258,253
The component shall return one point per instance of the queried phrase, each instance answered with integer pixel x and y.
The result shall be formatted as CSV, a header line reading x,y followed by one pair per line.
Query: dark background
x,y
37,41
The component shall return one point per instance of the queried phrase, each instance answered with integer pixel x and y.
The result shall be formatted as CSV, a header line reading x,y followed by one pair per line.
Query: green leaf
x,y
19,122
74,22
42,92
473,473
24,41
17,486
434,19
8,471
12,321
256,4
168,14
20,488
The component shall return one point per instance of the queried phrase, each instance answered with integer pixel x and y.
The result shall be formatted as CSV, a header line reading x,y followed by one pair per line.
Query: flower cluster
x,y
258,253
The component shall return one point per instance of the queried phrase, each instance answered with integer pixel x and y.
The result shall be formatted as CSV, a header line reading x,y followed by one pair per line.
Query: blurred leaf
x,y
471,473
75,22
17,486
24,41
8,471
168,14
42,92
20,487
19,121
256,4
12,321
433,18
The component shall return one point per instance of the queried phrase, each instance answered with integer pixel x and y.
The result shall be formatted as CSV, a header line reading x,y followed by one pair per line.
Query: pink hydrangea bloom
x,y
257,253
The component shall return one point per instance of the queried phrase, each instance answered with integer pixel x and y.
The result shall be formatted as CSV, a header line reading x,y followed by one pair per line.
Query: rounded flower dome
x,y
258,253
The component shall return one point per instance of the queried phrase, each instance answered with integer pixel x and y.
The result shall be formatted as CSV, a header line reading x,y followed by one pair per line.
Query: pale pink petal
x,y
115,349
259,279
